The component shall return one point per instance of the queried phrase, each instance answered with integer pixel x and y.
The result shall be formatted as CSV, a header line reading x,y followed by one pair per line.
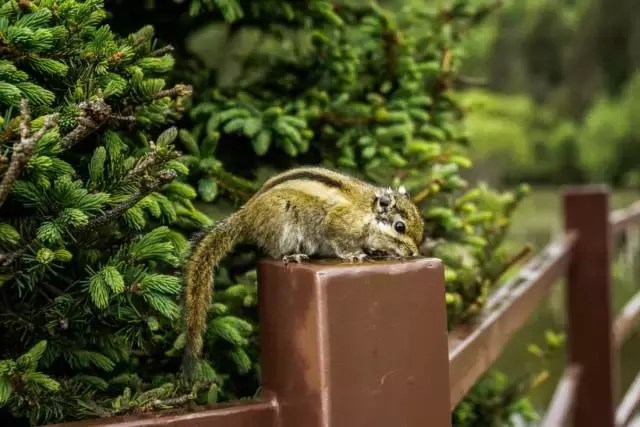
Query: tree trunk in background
x,y
583,74
543,51
634,37
602,54
505,66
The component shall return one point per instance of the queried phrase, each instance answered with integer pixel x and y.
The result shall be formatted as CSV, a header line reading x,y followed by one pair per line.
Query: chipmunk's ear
x,y
384,200
402,190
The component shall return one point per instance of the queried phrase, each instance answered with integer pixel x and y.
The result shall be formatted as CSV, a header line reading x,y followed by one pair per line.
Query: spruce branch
x,y
148,187
96,113
119,120
145,162
179,90
150,183
521,255
23,150
162,51
335,119
469,81
422,195
6,259
93,115
166,403
390,39
444,80
11,128
138,406
426,192
4,164
233,184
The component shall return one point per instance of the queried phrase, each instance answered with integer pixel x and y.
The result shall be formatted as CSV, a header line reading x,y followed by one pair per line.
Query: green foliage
x,y
609,141
578,64
500,128
515,140
494,401
91,218
528,49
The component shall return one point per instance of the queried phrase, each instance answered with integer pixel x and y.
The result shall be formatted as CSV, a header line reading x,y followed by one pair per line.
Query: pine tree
x,y
91,215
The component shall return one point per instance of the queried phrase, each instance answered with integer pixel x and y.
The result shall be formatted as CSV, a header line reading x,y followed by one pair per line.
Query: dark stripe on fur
x,y
304,175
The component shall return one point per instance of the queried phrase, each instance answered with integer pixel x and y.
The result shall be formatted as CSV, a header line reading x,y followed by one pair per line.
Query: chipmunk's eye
x,y
384,203
399,227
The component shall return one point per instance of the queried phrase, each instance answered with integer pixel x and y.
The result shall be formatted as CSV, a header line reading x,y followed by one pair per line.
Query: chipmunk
x,y
301,213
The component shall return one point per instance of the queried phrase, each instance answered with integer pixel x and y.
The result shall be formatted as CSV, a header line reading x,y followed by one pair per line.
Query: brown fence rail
x,y
626,320
563,400
471,352
367,346
629,405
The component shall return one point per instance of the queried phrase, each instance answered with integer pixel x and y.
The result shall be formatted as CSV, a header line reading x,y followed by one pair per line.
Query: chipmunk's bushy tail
x,y
209,248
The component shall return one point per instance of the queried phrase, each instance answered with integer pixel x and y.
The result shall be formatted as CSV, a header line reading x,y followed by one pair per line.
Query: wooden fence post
x,y
590,337
361,345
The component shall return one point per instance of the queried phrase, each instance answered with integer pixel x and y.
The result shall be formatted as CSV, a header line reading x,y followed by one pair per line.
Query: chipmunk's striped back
x,y
328,177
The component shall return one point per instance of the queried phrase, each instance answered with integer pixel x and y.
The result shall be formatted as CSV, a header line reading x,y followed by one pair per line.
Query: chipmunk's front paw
x,y
355,257
299,258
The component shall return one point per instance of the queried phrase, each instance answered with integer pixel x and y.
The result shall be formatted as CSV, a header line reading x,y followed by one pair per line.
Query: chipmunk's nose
x,y
413,251
409,251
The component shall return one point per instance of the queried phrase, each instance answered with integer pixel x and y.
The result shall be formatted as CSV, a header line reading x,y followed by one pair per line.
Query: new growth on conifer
x,y
90,209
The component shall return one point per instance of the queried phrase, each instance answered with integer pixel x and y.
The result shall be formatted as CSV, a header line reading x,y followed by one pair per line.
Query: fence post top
x,y
336,267
590,189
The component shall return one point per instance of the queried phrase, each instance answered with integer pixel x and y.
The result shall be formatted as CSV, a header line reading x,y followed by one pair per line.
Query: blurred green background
x,y
537,221
553,91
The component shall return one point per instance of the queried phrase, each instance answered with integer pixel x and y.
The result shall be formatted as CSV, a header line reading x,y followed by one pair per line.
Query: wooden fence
x,y
367,346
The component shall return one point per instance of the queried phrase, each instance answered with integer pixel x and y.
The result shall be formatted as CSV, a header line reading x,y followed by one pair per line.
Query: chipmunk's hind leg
x,y
287,224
